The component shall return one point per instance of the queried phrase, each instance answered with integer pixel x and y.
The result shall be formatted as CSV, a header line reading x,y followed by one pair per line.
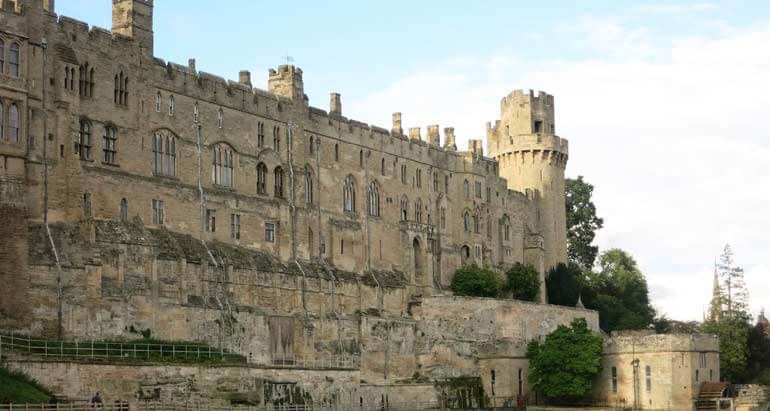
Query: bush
x,y
523,282
474,281
563,284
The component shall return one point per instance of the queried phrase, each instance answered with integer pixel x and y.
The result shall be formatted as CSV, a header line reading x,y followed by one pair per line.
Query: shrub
x,y
522,282
563,284
475,281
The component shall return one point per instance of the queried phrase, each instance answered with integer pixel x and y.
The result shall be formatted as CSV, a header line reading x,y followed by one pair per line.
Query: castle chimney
x,y
414,133
433,137
397,124
449,139
244,77
335,104
476,147
133,18
191,65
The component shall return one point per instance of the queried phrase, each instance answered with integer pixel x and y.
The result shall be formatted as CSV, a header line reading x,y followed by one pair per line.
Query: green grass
x,y
17,387
153,350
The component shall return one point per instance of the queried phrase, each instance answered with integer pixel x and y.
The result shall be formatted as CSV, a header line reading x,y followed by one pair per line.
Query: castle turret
x,y
287,82
133,18
532,157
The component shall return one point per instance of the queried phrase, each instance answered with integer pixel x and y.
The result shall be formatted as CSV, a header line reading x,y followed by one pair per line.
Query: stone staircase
x,y
709,393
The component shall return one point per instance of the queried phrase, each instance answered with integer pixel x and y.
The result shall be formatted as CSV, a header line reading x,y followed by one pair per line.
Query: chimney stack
x,y
397,124
449,139
335,104
191,65
433,137
244,77
414,133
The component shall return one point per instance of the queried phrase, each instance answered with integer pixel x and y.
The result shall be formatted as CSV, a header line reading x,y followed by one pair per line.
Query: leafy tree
x,y
735,296
582,222
733,332
759,351
563,284
565,365
619,292
522,282
475,281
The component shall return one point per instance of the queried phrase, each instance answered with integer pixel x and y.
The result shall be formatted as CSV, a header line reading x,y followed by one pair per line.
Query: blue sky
x,y
664,103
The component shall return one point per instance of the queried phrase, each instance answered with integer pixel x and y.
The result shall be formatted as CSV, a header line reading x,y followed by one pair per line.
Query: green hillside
x,y
17,387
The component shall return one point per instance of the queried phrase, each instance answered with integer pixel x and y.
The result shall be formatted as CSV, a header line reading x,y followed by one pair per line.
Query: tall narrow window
x,y
157,212
374,199
171,105
476,223
443,217
220,118
418,211
278,176
521,383
260,134
489,227
276,138
336,152
164,155
489,194
91,82
446,184
83,147
614,380
404,209
2,57
123,211
157,102
697,375
13,60
349,194
308,185
648,378
2,123
435,181
83,81
196,112
121,89
310,146
419,178
87,204
403,173
222,171
109,144
261,178
13,123
382,166
506,229
467,221
211,221
466,189
477,186
270,232
235,226
361,158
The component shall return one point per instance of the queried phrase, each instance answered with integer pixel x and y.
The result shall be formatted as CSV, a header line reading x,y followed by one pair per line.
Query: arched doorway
x,y
465,255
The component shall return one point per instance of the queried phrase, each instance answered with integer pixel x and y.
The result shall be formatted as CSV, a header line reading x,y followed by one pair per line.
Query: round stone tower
x,y
532,158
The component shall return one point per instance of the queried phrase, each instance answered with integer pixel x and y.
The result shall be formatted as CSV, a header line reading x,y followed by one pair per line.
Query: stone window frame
x,y
164,153
382,166
85,143
336,152
278,182
14,59
418,210
262,178
158,212
220,118
110,145
235,226
170,104
260,134
373,203
648,378
123,210
270,232
158,99
196,113
2,55
404,207
506,223
467,220
120,93
467,189
277,139
614,379
86,81
210,225
223,165
435,181
308,184
442,217
87,205
418,177
349,194
403,173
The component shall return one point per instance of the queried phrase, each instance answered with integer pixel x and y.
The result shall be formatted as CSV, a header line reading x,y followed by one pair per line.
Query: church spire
x,y
715,309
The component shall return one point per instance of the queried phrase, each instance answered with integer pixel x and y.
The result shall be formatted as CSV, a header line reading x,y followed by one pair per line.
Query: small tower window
x,y
220,118
336,152
157,102
276,138
278,176
123,210
171,105
538,126
260,134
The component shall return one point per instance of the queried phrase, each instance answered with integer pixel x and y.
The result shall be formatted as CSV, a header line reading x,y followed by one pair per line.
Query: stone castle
x,y
144,195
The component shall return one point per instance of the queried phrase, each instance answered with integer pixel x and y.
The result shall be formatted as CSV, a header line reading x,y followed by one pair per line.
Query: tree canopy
x,y
522,282
582,222
565,365
474,281
733,332
563,284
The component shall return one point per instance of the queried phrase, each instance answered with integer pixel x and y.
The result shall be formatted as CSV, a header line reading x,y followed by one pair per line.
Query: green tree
x,y
522,282
582,222
563,284
565,365
475,281
618,290
733,332
759,351
735,296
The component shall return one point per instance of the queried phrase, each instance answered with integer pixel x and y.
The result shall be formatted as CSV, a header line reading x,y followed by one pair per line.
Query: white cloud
x,y
675,138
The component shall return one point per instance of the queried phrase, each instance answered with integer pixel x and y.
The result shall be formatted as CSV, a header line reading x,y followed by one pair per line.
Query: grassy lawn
x,y
19,388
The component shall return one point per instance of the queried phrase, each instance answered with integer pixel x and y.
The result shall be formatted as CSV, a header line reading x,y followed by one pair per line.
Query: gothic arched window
x,y
13,59
278,175
222,169
164,154
466,189
349,194
261,178
84,140
467,221
308,185
123,210
404,209
418,211
374,199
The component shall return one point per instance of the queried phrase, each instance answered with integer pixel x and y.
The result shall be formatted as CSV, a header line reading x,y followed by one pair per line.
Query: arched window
x,y
278,176
222,171
403,173
310,148
196,112
336,152
418,211
109,145
123,211
435,181
121,89
382,166
476,222
467,221
261,178
84,140
404,209
374,199
164,154
506,228
220,118
2,123
13,123
308,185
466,189
2,57
82,88
349,195
418,177
13,59
171,105
277,139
